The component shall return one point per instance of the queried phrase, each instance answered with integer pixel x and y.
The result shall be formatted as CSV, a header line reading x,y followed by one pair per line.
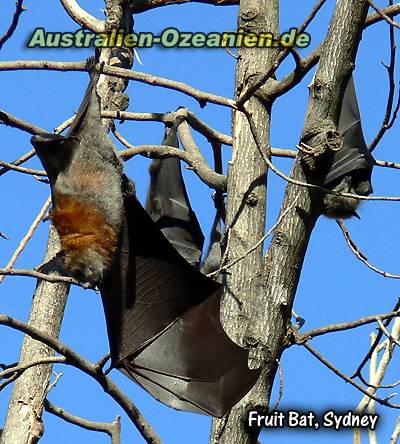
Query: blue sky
x,y
334,286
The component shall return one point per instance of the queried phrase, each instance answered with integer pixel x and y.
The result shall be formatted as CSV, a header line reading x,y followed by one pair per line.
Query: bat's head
x,y
86,267
54,151
342,207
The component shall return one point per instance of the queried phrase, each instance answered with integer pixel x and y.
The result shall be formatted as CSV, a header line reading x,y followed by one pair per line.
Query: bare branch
x,y
90,369
201,96
19,161
278,88
43,276
27,237
64,125
13,372
383,15
82,17
396,433
348,379
113,429
375,344
190,117
19,9
10,120
332,328
378,371
389,106
223,267
390,11
387,333
32,172
207,174
361,256
195,162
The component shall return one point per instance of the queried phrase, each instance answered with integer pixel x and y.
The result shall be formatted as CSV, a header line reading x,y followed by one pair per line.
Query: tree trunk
x,y
24,417
247,187
271,286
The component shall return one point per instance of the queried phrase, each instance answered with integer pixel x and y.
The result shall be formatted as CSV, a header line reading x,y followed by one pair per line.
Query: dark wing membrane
x,y
163,322
158,285
354,154
193,365
168,205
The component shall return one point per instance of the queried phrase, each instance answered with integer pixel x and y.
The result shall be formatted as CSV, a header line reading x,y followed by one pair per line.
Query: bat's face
x,y
55,153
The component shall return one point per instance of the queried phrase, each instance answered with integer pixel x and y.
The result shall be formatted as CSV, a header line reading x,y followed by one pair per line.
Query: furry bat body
x,y
351,167
85,176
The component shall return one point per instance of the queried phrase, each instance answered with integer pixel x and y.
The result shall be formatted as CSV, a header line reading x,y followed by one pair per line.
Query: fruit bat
x,y
351,168
85,178
164,325
162,314
168,204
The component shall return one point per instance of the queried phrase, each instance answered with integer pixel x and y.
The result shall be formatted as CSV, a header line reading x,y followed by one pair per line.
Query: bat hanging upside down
x,y
162,313
352,165
85,177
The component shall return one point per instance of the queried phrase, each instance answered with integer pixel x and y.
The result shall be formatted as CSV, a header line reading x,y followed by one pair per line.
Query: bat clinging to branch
x,y
352,165
85,177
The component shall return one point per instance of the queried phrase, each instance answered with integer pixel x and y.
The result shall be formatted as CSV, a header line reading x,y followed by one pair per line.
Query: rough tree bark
x,y
268,288
24,417
246,207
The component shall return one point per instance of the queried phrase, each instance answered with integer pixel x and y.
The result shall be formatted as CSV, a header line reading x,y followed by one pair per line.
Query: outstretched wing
x,y
163,322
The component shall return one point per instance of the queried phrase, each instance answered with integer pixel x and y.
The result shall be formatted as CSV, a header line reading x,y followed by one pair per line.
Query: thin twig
x,y
223,268
27,236
346,378
19,161
43,276
383,15
375,344
90,369
333,328
32,172
389,106
361,256
19,9
113,429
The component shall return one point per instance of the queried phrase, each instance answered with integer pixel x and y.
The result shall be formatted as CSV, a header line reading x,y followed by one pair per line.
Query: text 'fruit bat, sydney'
x,y
165,330
85,177
351,168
